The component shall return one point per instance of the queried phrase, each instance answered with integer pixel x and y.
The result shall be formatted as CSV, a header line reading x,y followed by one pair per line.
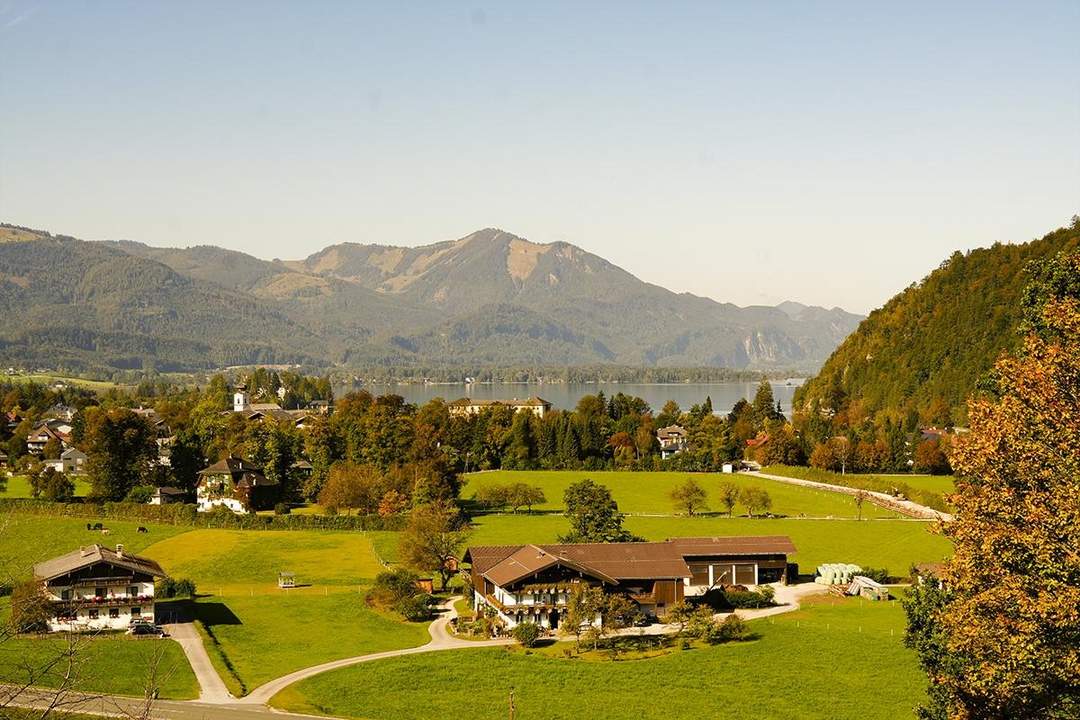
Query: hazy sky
x,y
830,153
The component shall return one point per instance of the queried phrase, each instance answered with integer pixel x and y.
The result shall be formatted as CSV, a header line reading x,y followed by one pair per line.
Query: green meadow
x,y
870,675
649,492
18,486
893,544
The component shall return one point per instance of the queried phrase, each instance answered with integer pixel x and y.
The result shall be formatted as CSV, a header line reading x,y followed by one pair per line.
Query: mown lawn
x,y
236,561
893,544
255,631
18,486
111,663
648,492
838,659
256,638
27,539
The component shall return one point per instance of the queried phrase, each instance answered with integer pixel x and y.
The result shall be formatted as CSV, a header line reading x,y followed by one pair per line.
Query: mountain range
x,y
489,298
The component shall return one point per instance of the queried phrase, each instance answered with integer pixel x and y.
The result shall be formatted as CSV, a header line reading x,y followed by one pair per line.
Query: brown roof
x,y
243,472
759,545
611,562
533,401
84,557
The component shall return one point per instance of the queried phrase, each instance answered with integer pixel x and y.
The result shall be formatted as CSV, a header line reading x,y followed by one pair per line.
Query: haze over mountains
x,y
488,298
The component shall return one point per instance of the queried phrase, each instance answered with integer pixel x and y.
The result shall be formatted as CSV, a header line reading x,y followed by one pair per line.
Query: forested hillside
x,y
926,350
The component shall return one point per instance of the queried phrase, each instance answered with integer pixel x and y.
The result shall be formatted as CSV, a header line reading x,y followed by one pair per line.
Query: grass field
x,y
18,486
870,676
261,637
255,631
26,539
648,492
109,663
236,561
894,544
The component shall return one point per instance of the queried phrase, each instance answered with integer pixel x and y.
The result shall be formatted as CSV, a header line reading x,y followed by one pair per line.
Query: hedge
x,y
177,514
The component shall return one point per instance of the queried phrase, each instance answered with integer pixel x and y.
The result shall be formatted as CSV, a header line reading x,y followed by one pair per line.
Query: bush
x,y
526,633
169,588
282,509
733,628
393,587
139,495
749,599
415,608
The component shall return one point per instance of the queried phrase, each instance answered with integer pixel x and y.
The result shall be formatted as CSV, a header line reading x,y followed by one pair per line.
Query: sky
x,y
829,153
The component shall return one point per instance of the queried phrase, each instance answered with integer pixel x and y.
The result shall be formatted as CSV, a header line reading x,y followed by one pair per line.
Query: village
x,y
446,552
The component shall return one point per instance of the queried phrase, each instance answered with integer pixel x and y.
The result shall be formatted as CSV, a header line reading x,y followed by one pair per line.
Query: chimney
x,y
120,549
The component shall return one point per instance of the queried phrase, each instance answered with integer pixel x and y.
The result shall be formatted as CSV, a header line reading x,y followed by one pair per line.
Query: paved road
x,y
160,710
211,687
885,500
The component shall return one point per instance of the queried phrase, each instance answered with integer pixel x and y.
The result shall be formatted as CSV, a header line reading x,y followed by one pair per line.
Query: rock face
x,y
489,297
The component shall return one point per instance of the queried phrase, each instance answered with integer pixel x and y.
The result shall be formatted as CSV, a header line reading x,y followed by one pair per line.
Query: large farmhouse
x,y
533,583
467,406
95,588
236,484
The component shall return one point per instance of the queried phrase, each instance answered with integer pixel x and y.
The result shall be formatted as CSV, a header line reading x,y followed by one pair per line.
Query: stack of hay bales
x,y
836,573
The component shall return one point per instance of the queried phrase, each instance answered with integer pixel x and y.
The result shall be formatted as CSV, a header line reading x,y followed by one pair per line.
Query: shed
x,y
286,580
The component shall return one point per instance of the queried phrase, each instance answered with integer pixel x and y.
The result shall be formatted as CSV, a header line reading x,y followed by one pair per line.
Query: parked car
x,y
145,629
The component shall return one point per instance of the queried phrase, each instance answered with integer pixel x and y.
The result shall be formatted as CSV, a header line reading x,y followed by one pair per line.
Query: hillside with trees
x,y
916,360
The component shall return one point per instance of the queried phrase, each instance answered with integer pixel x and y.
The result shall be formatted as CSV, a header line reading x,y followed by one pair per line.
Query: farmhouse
x,y
95,588
236,484
42,434
672,439
167,495
467,406
73,460
533,583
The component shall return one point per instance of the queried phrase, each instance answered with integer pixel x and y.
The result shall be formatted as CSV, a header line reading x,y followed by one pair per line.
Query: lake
x,y
566,395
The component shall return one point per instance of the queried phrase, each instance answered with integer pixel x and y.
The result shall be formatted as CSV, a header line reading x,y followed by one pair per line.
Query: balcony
x,y
115,601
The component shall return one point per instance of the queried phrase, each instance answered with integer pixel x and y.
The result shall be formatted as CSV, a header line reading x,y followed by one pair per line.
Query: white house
x,y
95,588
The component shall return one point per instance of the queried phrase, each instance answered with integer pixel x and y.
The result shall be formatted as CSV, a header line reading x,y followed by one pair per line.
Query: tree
x,y
53,448
526,633
729,495
594,516
930,457
860,497
681,614
521,495
30,609
352,486
1002,640
764,405
755,499
689,497
122,452
583,608
433,538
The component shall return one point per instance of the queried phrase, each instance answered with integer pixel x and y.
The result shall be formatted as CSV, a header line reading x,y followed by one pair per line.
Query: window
x,y
136,612
133,591
114,613
65,594
99,592
92,614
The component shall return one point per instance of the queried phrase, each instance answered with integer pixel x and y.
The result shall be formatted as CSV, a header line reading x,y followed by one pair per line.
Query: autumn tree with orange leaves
x,y
999,635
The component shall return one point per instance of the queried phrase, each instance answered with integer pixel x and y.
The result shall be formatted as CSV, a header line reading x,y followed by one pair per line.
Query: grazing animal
x,y
97,526
89,526
104,531
142,529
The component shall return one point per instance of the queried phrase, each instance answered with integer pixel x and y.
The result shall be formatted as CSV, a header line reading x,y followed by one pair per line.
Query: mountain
x,y
926,349
488,298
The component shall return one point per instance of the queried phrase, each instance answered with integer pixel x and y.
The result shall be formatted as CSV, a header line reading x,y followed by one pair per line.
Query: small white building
x,y
95,588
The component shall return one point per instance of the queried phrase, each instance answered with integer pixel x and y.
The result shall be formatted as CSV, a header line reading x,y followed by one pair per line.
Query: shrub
x,y
526,633
415,608
170,588
282,509
749,599
392,587
733,628
139,495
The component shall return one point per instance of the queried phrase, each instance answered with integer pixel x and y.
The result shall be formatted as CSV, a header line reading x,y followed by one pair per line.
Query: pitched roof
x,y
753,545
611,562
72,453
243,472
87,556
